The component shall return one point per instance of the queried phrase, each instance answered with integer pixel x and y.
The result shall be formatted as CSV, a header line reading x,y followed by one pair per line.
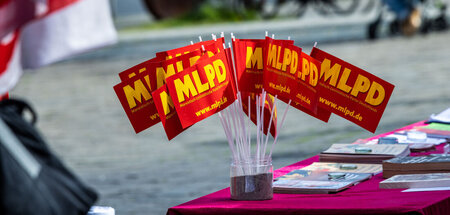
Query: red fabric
x,y
14,14
17,13
6,52
5,96
364,198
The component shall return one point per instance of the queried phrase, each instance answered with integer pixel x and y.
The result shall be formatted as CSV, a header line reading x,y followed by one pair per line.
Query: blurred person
x,y
407,20
408,17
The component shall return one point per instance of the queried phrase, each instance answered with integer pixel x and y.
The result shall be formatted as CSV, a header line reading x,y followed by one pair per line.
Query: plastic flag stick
x,y
281,125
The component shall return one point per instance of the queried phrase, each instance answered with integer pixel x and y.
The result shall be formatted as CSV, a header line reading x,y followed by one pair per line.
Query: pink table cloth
x,y
364,198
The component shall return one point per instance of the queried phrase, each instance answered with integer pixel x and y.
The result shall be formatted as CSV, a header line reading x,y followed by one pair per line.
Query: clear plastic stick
x,y
270,124
281,125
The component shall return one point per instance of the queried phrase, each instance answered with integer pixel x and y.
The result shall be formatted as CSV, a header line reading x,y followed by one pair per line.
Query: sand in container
x,y
252,179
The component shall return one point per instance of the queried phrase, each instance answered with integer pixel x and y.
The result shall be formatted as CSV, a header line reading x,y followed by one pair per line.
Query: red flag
x,y
268,104
248,59
15,14
10,68
135,96
50,30
164,103
154,73
166,110
289,74
282,64
230,65
68,27
190,48
202,90
307,80
351,92
249,56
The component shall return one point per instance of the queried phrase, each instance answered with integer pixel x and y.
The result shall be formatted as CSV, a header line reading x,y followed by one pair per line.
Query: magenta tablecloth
x,y
364,198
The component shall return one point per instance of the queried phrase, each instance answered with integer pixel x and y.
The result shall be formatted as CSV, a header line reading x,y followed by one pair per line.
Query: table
x,y
364,198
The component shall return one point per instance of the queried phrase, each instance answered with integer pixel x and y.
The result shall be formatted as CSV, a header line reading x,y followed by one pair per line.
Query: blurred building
x,y
129,13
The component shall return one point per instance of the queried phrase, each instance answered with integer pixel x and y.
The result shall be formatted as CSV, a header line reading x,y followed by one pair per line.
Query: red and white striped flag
x,y
34,33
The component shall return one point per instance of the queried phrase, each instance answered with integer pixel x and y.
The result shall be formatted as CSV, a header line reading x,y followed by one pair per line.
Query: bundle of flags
x,y
183,86
34,33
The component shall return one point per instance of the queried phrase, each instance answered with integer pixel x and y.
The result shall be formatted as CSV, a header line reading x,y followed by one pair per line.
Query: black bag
x,y
32,179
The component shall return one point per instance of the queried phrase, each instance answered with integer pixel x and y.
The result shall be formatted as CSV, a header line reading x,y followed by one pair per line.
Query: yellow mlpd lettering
x,y
179,66
278,58
210,53
193,60
342,85
147,80
310,69
136,93
254,58
167,102
184,88
271,56
313,74
286,59
332,72
221,71
210,75
294,62
161,75
134,74
376,88
362,85
179,54
305,70
201,87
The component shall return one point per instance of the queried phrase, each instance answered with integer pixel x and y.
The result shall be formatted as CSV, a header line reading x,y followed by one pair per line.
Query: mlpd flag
x,y
136,99
166,110
307,79
163,102
351,92
202,90
250,98
153,73
280,71
249,65
292,75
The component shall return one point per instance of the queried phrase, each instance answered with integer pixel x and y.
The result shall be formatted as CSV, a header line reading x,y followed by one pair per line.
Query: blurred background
x,y
84,123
